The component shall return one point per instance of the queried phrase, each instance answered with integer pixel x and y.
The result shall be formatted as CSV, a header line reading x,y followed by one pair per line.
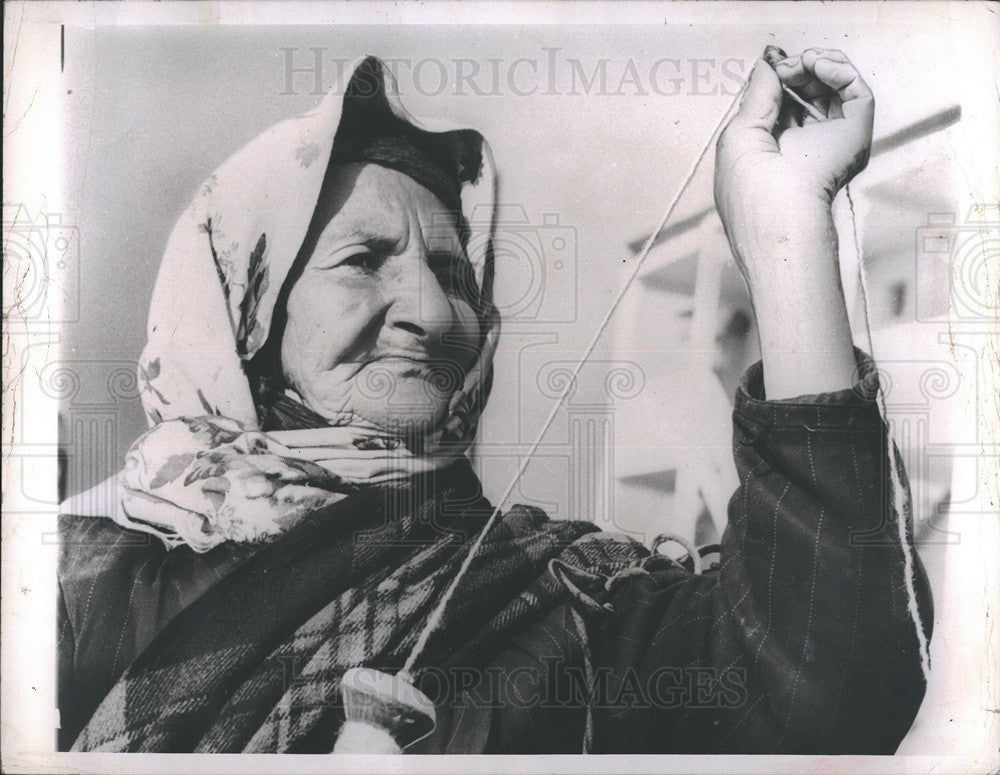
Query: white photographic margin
x,y
967,636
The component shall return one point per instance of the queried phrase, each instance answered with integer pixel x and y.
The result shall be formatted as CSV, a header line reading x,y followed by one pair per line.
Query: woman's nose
x,y
419,306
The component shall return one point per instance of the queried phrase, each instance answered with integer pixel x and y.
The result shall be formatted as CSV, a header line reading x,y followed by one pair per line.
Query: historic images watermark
x,y
534,259
552,72
949,282
556,683
41,256
956,253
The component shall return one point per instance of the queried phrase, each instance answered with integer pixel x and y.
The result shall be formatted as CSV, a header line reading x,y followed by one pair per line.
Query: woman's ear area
x,y
466,151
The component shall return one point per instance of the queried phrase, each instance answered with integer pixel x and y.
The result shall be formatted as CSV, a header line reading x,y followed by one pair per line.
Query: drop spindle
x,y
384,713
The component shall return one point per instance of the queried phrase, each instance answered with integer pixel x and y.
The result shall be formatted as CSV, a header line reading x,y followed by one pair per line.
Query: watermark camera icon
x,y
534,264
953,260
41,258
536,267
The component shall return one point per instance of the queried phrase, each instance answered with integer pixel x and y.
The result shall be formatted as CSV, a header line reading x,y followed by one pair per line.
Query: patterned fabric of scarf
x,y
254,665
207,471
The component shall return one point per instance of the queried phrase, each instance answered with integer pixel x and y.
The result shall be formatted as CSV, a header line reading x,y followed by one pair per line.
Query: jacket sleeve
x,y
802,640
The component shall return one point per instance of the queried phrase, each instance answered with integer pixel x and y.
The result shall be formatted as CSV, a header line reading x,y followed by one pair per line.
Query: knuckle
x,y
862,89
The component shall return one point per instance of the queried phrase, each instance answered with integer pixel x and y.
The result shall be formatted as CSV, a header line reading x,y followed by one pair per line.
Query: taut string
x,y
435,618
898,492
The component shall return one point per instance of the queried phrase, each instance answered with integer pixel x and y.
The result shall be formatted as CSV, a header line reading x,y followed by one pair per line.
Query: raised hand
x,y
777,171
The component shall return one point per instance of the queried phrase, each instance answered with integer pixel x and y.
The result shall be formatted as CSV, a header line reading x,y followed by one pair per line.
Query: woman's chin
x,y
413,408
410,424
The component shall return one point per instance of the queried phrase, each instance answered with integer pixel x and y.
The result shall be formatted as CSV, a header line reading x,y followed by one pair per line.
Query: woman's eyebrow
x,y
438,244
372,241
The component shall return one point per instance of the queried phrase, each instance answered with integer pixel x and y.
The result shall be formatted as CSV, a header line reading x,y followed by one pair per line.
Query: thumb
x,y
761,101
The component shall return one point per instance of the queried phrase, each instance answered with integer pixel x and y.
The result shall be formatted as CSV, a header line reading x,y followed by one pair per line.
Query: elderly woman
x,y
320,346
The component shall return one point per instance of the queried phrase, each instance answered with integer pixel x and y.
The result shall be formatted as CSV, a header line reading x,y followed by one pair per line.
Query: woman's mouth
x,y
414,361
405,356
443,375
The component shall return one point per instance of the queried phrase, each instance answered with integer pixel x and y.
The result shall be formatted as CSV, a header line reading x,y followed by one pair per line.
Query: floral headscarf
x,y
206,471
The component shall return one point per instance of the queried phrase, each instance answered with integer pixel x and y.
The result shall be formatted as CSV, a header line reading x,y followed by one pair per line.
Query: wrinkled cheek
x,y
329,394
314,330
295,352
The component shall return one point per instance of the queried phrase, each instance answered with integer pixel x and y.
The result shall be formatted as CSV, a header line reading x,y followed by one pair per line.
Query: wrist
x,y
789,254
803,328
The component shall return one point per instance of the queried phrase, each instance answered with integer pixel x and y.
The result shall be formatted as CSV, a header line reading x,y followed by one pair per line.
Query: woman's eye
x,y
369,262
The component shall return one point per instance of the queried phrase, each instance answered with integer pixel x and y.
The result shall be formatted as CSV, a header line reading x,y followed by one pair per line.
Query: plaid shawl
x,y
254,664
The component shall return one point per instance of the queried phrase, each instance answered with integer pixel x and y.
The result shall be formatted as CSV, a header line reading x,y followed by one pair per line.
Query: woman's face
x,y
377,327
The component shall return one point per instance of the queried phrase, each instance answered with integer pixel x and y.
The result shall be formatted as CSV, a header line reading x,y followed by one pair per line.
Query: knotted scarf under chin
x,y
204,480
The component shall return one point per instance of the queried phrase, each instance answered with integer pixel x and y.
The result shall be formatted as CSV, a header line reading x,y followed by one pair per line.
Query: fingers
x,y
794,75
761,100
849,137
844,79
820,71
857,105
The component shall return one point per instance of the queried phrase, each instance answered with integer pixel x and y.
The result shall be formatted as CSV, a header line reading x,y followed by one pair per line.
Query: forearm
x,y
775,178
798,300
